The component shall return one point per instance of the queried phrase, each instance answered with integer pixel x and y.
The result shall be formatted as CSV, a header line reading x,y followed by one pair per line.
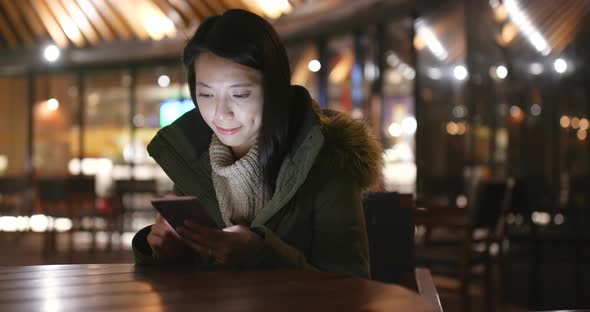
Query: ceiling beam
x,y
170,13
216,6
50,24
202,9
81,21
8,33
32,20
185,10
68,26
112,18
20,25
131,16
250,6
96,20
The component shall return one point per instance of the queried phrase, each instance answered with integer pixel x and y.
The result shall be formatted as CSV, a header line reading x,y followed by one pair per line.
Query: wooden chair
x,y
390,228
132,198
14,196
478,227
52,201
81,199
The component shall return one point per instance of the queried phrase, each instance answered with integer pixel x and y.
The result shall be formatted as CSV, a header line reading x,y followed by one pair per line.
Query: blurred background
x,y
481,106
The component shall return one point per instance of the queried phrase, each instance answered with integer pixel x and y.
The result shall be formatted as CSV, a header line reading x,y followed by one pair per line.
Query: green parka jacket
x,y
315,218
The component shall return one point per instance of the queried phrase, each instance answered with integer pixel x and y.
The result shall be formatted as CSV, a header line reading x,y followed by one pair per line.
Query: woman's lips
x,y
228,131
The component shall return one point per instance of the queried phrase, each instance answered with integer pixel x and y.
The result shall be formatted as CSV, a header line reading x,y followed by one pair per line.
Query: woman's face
x,y
229,96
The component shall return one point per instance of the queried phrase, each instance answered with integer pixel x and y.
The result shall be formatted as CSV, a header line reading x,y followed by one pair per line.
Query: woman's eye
x,y
242,95
206,95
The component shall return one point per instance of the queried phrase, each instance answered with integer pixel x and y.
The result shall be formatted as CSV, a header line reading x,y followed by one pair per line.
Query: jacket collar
x,y
182,151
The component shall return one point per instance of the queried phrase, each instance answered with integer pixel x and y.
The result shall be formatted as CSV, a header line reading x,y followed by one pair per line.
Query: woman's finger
x,y
207,233
204,251
154,240
187,234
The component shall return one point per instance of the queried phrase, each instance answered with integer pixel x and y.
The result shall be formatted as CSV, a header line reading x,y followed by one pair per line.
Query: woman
x,y
283,177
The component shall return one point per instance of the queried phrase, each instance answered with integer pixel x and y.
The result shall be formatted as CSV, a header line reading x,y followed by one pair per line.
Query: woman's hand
x,y
165,243
229,246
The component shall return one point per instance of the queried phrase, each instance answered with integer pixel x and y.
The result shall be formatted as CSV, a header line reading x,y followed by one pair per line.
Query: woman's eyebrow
x,y
200,83
241,85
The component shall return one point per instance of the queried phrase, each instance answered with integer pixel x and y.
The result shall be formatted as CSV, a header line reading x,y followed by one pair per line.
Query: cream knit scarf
x,y
238,184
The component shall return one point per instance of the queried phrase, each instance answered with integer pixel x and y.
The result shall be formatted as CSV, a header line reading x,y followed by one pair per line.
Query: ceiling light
x,y
51,53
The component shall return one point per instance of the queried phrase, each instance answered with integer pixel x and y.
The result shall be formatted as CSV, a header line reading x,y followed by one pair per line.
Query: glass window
x,y
340,51
162,97
108,128
56,124
398,119
304,62
13,126
444,114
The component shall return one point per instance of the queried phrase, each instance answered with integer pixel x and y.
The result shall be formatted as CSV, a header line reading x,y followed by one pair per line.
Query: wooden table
x,y
125,287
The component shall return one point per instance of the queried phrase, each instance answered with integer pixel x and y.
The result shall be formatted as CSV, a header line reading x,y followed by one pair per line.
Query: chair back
x,y
134,195
13,195
489,203
52,189
390,228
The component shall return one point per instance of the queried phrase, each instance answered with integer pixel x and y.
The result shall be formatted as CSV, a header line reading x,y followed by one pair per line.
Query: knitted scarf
x,y
238,183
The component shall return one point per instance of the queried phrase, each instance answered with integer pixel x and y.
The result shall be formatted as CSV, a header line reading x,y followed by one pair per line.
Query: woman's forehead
x,y
212,67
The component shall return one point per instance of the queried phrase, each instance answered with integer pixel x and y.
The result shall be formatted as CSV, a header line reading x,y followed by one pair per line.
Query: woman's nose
x,y
223,110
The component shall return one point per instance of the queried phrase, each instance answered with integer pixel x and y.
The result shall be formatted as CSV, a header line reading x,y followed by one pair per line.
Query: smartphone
x,y
178,209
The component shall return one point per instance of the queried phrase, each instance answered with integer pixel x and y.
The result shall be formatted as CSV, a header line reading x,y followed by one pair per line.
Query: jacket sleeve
x,y
144,255
339,240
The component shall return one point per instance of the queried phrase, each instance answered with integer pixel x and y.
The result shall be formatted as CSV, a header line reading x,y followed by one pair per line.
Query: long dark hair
x,y
248,39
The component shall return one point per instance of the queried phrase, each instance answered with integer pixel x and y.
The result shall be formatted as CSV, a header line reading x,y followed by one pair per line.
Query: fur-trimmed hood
x,y
350,144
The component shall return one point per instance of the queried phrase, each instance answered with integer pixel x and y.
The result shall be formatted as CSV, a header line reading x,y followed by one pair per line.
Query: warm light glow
x,y
564,121
501,71
22,223
575,122
274,8
500,13
314,66
582,134
409,73
392,59
395,129
301,71
3,163
461,201
536,68
70,29
524,24
434,73
156,24
63,224
541,218
371,71
343,67
51,53
509,32
515,111
535,109
461,128
460,72
52,104
432,42
583,125
8,224
560,65
558,219
452,128
163,81
409,125
419,44
39,223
